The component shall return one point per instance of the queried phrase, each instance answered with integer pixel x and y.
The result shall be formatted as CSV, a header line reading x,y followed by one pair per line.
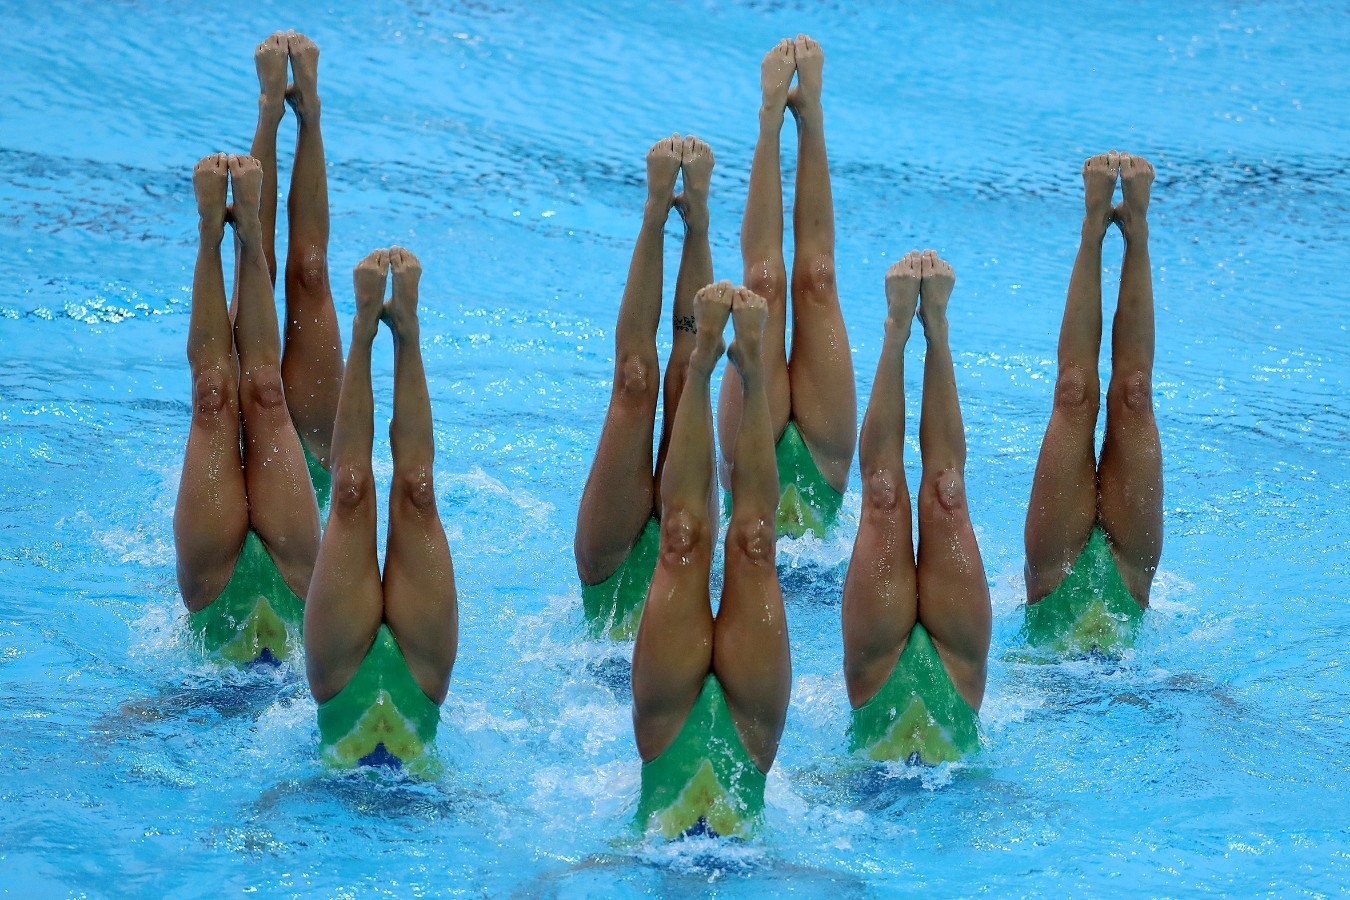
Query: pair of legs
x,y
679,641
311,366
620,494
1073,490
886,591
815,387
244,467
348,600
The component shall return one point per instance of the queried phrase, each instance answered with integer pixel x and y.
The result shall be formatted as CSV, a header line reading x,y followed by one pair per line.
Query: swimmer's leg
x,y
419,578
281,501
345,605
762,257
270,60
1130,472
619,495
311,368
750,638
673,653
210,520
1063,506
953,593
696,272
824,399
881,594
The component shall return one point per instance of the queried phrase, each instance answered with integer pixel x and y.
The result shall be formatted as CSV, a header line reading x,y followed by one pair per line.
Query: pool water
x,y
504,143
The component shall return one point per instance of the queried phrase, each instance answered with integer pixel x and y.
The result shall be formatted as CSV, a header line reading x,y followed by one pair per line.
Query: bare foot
x,y
368,280
1136,181
246,178
663,165
400,311
749,312
696,165
775,75
1099,184
804,99
303,94
209,182
712,307
270,60
935,289
902,289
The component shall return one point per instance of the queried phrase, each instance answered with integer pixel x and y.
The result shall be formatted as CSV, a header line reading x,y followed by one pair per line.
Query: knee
x,y
881,491
754,540
1133,391
944,493
637,376
262,388
353,486
816,279
312,272
212,391
1076,393
416,488
764,279
683,532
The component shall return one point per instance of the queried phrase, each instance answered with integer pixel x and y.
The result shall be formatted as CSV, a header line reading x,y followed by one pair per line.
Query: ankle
x,y
809,114
899,326
771,114
934,323
657,208
365,324
1133,228
307,108
696,219
271,110
1095,226
211,234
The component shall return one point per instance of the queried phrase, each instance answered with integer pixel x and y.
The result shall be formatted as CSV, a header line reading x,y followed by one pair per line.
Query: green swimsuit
x,y
382,717
705,781
1090,610
257,617
806,502
918,714
614,606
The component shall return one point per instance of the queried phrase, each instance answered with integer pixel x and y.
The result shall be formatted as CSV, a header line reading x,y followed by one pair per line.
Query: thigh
x,y
1063,505
824,396
953,590
311,361
751,656
881,599
673,652
345,605
620,493
420,603
1131,494
282,508
210,518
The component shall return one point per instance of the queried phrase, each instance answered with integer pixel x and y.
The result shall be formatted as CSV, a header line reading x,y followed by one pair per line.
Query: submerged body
x,y
916,630
620,512
813,407
710,693
1094,526
246,526
380,646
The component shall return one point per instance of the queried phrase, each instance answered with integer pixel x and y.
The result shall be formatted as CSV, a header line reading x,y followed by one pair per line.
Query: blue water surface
x,y
503,142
